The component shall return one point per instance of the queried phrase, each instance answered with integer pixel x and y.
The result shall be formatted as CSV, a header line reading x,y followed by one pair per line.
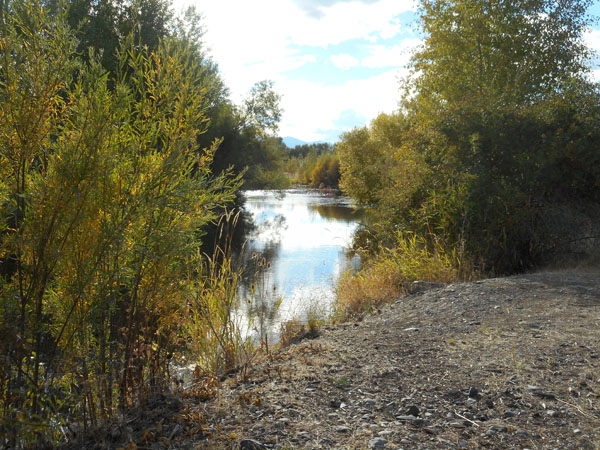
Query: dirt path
x,y
502,363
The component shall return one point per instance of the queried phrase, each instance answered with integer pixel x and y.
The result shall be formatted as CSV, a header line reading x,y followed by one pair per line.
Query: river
x,y
294,254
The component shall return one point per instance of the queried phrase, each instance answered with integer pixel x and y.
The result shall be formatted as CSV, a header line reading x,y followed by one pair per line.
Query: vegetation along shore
x,y
122,157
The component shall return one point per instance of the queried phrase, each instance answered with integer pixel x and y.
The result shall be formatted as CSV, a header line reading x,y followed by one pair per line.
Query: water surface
x,y
296,251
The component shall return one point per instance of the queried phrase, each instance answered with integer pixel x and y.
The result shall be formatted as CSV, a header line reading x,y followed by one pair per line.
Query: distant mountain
x,y
292,142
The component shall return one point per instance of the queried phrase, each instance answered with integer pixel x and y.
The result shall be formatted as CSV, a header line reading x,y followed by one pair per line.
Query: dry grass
x,y
391,273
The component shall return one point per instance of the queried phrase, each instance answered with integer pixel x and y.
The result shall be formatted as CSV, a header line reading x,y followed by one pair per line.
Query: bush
x,y
390,274
104,192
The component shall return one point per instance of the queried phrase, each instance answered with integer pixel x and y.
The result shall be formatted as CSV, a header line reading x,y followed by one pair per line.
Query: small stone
x,y
509,413
370,402
535,390
552,413
251,444
577,431
385,433
335,404
471,401
342,429
499,428
421,422
377,443
456,424
446,442
413,410
473,392
406,418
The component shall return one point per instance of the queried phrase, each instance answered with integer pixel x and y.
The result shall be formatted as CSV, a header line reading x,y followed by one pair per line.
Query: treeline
x,y
111,115
316,165
492,162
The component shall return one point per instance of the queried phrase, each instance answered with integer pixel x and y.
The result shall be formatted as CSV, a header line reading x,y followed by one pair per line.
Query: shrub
x,y
390,274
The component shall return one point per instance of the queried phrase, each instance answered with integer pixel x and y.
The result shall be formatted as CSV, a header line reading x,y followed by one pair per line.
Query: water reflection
x,y
337,212
295,251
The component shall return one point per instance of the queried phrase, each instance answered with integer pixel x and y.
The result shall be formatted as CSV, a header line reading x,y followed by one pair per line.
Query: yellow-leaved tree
x,y
103,196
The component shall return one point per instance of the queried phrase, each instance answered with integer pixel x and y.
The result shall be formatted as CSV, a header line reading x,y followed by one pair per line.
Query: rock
x,y
412,410
552,413
422,286
457,424
473,392
499,428
539,392
421,422
509,413
342,429
377,443
370,402
408,418
251,444
335,404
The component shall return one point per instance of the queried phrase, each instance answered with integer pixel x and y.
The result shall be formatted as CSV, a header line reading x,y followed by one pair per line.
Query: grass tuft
x,y
390,274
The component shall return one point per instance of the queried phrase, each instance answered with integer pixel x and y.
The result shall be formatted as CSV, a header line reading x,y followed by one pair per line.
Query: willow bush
x,y
103,193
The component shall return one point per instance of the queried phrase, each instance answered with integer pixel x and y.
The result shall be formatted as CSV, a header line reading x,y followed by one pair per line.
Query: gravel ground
x,y
501,363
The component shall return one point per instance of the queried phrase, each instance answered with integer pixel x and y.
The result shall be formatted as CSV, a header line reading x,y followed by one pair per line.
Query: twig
x,y
468,420
577,408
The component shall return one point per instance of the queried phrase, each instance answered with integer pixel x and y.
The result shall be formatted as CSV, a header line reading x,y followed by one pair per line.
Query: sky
x,y
336,63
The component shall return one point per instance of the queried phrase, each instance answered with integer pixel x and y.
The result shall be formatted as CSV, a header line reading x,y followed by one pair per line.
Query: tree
x,y
262,109
498,51
103,191
487,125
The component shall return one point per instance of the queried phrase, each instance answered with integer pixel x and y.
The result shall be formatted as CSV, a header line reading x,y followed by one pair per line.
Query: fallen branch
x,y
577,408
468,420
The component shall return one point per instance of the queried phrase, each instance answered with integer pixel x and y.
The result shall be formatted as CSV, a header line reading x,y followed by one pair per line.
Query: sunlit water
x,y
303,236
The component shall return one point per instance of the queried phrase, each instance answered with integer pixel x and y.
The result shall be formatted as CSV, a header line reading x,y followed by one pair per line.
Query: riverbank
x,y
500,363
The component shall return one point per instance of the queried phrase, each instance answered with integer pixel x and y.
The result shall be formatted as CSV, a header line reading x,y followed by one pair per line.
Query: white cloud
x,y
394,56
310,107
263,39
344,61
592,39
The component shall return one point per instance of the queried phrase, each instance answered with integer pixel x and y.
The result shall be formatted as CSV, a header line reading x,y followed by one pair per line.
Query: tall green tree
x,y
498,51
486,133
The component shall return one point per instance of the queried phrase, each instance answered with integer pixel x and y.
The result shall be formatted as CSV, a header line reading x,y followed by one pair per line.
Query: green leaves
x,y
104,191
494,153
498,52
